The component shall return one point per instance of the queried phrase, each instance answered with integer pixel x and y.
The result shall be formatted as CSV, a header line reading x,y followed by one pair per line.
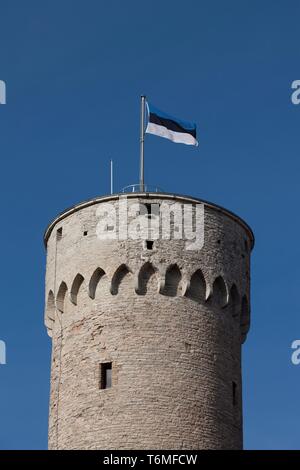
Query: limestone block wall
x,y
171,322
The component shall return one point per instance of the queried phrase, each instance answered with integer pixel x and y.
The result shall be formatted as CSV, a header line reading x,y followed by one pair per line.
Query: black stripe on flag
x,y
170,124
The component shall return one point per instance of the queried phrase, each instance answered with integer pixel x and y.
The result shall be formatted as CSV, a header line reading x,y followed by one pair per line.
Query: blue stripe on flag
x,y
186,124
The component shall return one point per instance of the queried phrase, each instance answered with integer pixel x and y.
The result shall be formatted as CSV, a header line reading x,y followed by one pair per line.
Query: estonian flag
x,y
164,125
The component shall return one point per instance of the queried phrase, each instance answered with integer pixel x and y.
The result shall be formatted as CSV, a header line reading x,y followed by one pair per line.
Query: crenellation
x,y
195,287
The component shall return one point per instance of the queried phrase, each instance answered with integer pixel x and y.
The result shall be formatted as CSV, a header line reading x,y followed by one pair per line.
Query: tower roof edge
x,y
147,195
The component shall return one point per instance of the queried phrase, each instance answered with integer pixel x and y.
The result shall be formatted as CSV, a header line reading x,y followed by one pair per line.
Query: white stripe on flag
x,y
177,137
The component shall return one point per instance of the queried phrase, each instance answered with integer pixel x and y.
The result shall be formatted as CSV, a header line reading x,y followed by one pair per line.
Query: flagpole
x,y
142,138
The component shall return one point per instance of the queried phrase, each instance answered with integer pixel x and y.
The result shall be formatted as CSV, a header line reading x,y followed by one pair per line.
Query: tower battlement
x,y
167,319
168,280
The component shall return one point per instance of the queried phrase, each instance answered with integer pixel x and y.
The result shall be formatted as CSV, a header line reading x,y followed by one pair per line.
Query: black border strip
x,y
115,458
170,124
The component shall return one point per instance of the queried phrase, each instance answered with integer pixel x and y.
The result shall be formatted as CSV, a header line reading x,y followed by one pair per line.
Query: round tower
x,y
147,323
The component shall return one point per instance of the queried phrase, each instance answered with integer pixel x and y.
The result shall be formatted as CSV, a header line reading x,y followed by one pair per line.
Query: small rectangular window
x,y
148,208
149,244
105,375
234,394
85,233
59,233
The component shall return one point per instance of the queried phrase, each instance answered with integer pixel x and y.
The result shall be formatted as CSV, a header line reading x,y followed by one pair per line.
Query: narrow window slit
x,y
234,393
59,233
105,375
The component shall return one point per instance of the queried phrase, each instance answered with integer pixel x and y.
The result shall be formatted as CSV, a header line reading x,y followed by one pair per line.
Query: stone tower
x,y
146,333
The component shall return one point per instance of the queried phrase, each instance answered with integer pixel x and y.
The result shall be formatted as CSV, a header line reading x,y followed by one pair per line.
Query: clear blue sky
x,y
74,72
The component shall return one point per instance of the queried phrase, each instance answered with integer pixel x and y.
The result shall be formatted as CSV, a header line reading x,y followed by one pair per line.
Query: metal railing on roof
x,y
137,188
